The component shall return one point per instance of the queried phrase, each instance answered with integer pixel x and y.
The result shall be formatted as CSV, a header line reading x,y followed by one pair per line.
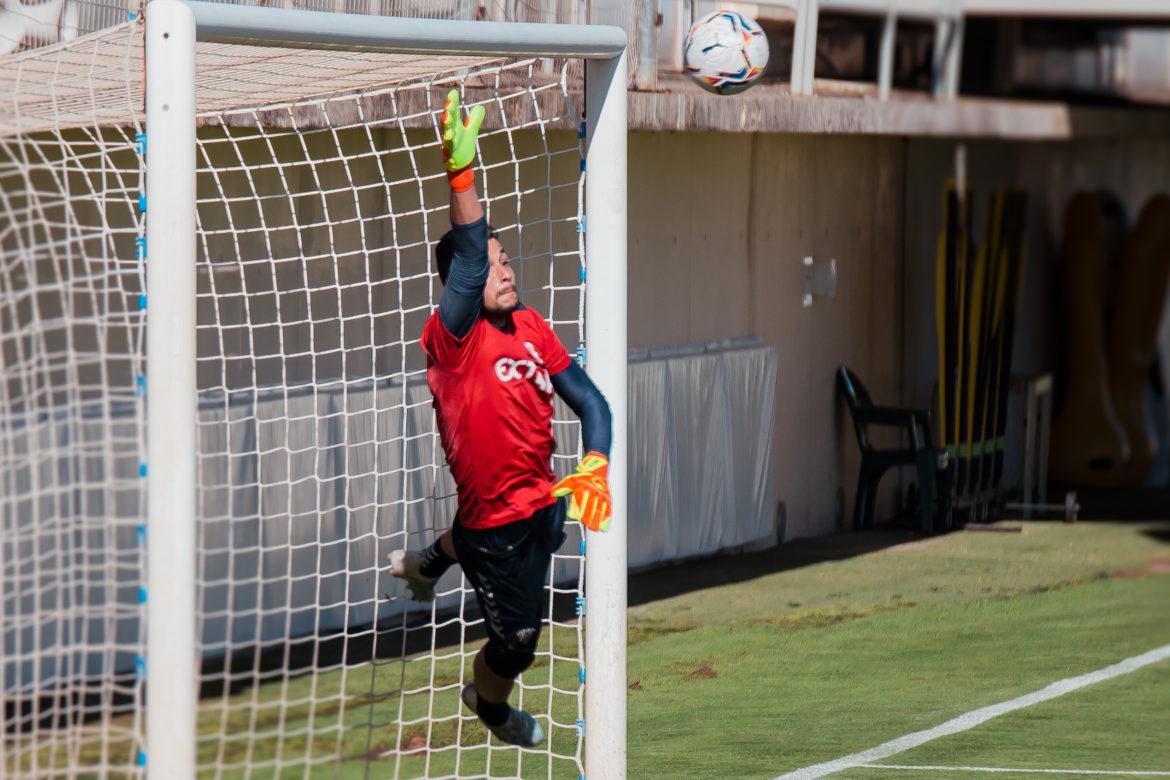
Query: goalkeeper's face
x,y
499,294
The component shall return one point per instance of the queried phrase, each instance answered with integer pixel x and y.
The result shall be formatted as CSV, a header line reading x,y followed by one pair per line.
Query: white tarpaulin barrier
x,y
700,481
293,517
700,453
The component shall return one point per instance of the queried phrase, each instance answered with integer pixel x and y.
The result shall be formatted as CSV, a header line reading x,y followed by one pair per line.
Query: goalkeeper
x,y
493,366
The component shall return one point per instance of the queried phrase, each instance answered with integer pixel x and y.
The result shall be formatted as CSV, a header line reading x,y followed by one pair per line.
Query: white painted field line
x,y
976,717
1094,772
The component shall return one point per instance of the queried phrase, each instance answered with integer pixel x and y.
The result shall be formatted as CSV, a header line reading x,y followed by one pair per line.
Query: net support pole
x,y
170,391
606,358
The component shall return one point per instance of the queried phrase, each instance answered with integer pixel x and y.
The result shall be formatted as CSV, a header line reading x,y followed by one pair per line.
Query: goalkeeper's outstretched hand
x,y
459,137
589,488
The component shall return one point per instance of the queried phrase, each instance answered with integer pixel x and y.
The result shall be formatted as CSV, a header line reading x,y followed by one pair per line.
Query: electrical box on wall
x,y
820,280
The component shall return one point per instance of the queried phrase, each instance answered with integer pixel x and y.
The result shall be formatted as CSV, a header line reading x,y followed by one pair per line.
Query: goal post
x,y
172,663
217,226
172,29
605,335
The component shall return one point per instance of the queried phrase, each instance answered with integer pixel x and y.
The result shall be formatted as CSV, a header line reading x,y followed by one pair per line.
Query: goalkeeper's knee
x,y
510,656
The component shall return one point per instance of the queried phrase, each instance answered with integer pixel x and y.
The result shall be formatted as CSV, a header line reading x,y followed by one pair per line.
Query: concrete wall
x,y
719,225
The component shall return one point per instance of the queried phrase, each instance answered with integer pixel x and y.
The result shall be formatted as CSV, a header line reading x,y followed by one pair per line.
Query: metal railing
x,y
947,16
654,27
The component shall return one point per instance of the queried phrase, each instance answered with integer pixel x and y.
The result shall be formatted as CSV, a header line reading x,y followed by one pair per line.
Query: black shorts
x,y
508,567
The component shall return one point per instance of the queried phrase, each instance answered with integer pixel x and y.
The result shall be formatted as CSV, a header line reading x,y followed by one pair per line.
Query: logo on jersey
x,y
510,369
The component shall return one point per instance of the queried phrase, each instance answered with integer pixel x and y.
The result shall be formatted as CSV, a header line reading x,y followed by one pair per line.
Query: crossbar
x,y
292,28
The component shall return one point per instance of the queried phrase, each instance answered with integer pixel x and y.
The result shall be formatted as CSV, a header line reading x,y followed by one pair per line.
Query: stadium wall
x,y
720,222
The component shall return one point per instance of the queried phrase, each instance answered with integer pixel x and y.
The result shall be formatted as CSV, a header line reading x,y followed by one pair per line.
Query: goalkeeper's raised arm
x,y
462,253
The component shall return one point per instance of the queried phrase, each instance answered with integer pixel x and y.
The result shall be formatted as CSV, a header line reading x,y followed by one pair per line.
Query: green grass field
x,y
822,660
749,666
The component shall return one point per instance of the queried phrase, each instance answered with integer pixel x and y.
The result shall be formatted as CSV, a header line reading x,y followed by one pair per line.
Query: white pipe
x,y
606,357
291,28
804,47
938,57
171,671
796,79
954,60
886,56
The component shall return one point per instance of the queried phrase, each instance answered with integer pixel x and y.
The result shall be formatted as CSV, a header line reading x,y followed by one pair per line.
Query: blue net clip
x,y
141,302
580,606
142,203
581,355
581,224
581,130
581,675
140,243
142,469
580,727
581,546
140,140
141,595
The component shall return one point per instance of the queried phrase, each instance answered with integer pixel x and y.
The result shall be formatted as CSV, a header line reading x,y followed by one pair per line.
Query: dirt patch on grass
x,y
696,670
636,685
648,629
819,618
1157,568
413,743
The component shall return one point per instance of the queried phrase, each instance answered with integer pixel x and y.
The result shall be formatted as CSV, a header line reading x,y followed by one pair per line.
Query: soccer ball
x,y
725,52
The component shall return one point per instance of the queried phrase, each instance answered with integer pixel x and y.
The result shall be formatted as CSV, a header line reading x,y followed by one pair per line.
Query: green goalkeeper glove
x,y
589,488
459,137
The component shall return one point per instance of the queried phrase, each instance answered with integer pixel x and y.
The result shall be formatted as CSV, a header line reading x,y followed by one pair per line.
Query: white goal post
x,y
173,28
217,226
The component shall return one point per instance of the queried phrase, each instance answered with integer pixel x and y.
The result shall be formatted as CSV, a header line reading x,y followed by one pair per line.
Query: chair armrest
x,y
890,415
915,421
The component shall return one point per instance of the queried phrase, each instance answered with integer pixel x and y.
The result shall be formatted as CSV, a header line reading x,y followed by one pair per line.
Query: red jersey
x,y
493,400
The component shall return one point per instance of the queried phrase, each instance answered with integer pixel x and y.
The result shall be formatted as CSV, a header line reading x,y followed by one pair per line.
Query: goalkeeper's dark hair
x,y
445,250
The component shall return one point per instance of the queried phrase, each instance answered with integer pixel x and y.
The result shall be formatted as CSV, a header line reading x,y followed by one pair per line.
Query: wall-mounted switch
x,y
820,280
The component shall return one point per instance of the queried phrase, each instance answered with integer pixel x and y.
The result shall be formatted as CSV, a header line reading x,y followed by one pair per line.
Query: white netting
x,y
317,448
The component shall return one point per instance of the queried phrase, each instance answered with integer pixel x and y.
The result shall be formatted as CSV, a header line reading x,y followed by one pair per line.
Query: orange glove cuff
x,y
461,180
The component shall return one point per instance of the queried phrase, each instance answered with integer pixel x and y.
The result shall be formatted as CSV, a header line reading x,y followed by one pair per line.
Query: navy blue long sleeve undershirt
x,y
462,298
587,402
461,304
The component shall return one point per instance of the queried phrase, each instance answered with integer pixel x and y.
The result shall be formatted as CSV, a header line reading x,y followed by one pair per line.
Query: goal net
x,y
320,197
